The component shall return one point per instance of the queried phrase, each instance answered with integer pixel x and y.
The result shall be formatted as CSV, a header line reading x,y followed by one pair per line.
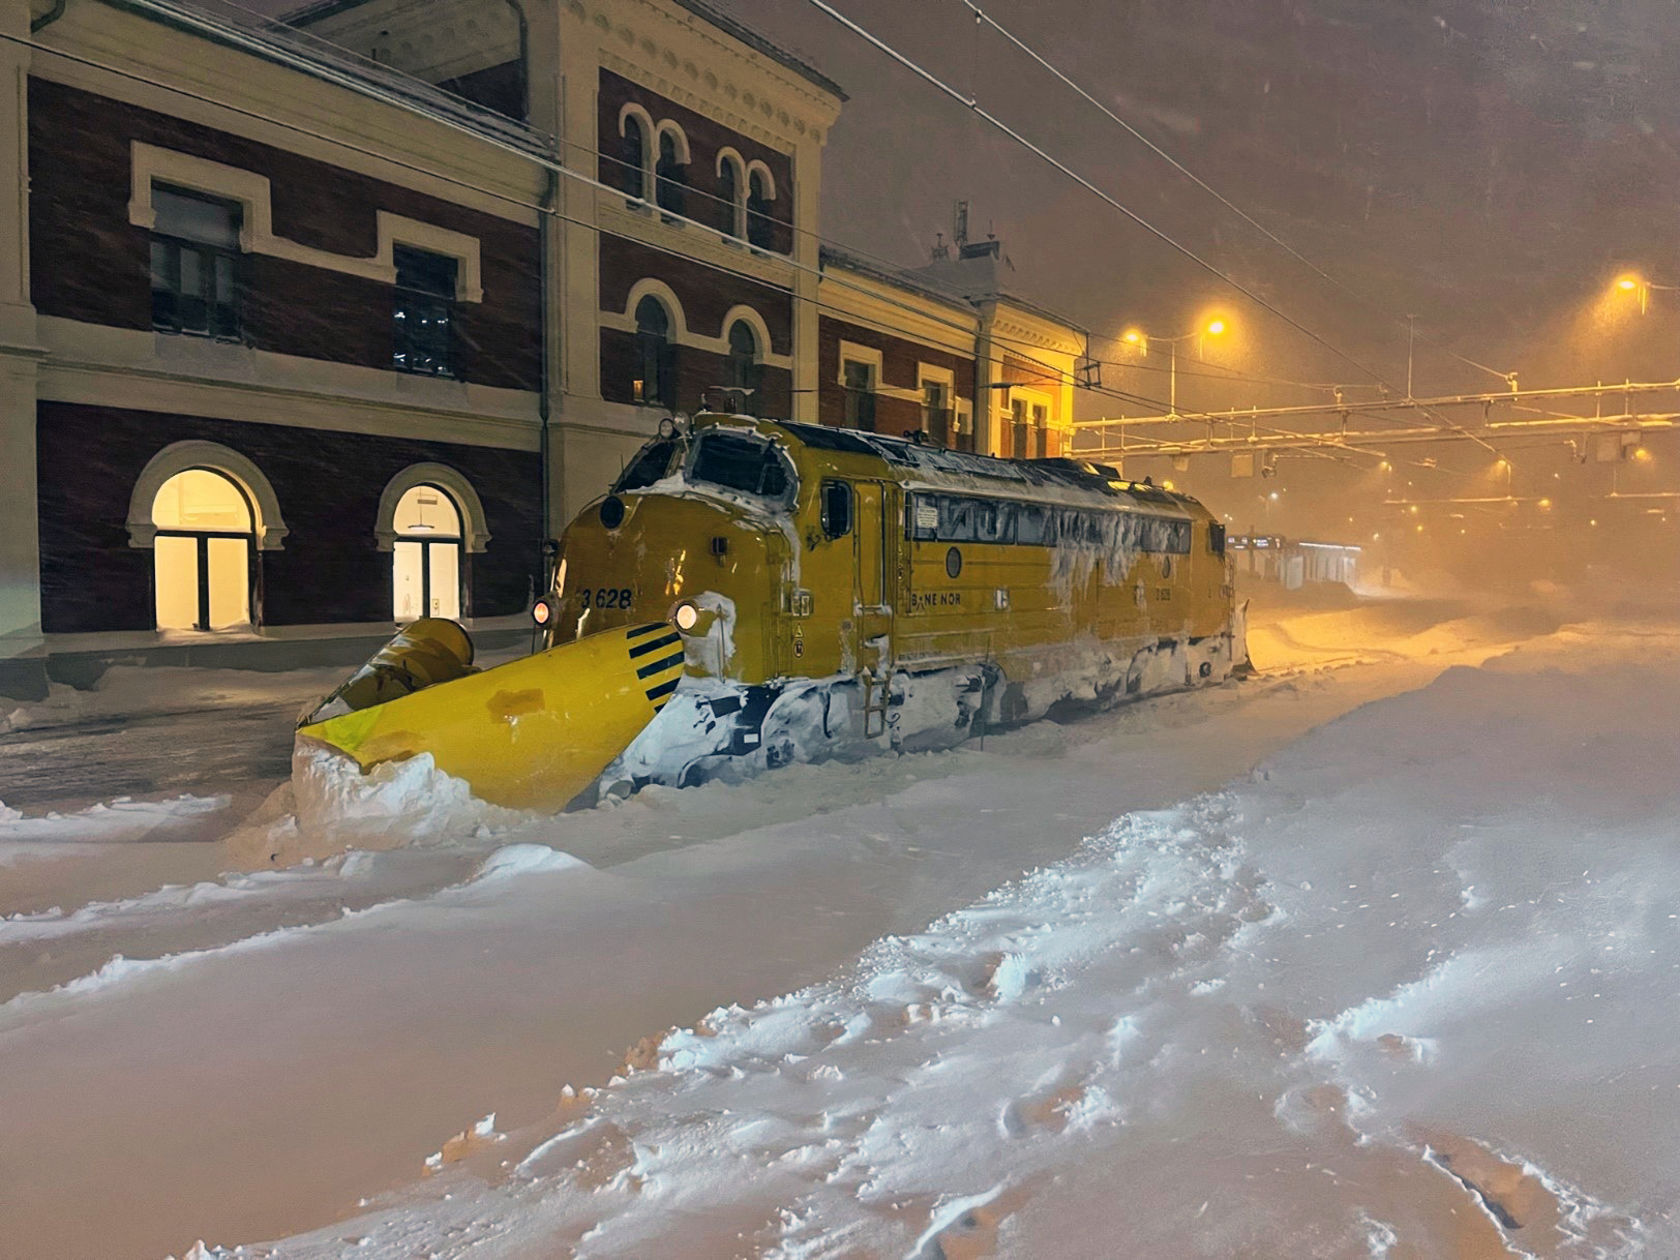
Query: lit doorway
x,y
202,552
426,556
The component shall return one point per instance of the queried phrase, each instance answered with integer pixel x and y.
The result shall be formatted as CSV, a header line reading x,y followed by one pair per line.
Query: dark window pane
x,y
652,464
740,463
193,217
729,193
424,271
670,175
423,312
1029,524
760,227
633,156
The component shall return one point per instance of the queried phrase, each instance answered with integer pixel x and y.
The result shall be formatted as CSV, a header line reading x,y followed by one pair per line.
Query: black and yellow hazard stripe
x,y
656,654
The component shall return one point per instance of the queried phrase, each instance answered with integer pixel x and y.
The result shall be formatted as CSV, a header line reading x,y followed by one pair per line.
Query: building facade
x,y
310,328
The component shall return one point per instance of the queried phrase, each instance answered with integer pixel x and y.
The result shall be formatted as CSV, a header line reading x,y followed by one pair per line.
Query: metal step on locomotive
x,y
756,592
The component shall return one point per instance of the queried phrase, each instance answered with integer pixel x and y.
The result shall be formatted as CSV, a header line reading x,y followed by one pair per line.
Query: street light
x,y
1633,282
1139,339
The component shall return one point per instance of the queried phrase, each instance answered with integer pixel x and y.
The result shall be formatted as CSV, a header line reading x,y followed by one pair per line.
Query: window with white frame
x,y
732,205
761,228
635,143
670,174
195,261
938,389
426,556
423,317
746,368
860,378
655,382
201,552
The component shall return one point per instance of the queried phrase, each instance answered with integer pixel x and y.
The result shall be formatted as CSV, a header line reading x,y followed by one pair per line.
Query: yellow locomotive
x,y
770,591
832,589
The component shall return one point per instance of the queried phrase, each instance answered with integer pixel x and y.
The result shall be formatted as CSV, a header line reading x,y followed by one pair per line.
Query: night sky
x,y
1487,165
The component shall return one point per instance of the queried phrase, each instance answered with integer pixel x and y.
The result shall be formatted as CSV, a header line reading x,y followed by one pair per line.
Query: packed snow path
x,y
280,1058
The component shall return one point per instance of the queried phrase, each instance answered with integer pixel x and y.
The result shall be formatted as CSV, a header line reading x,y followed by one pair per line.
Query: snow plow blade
x,y
530,734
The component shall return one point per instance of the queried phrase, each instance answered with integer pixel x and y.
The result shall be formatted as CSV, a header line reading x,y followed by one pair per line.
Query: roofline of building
x,y
830,255
928,287
308,54
323,9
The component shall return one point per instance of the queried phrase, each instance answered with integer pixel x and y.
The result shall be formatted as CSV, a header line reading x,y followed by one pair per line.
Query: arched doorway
x,y
202,552
426,555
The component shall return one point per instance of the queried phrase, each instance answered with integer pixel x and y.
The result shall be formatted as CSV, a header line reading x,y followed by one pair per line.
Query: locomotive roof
x,y
935,467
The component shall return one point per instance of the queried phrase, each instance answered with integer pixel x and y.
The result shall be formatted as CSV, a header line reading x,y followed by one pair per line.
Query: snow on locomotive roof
x,y
937,468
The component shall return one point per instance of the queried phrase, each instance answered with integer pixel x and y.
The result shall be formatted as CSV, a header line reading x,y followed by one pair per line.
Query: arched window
x,y
633,156
732,209
426,555
746,373
202,552
671,175
760,227
656,359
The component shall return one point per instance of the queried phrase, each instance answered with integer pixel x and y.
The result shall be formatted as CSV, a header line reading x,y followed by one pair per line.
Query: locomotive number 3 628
x,y
607,597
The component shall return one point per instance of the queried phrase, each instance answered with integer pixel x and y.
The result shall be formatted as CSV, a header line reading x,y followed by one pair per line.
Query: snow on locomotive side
x,y
836,591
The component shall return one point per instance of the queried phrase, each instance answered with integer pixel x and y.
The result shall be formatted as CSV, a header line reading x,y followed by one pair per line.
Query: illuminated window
x,y
195,264
422,336
1041,432
202,552
426,556
655,382
1018,428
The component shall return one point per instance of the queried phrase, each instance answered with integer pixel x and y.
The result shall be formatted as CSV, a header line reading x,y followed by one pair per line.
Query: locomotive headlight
x,y
543,612
686,615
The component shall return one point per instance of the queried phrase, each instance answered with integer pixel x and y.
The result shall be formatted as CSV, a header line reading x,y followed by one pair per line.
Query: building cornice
x,y
665,47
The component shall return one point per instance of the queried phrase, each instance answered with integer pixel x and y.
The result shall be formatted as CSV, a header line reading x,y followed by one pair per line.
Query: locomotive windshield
x,y
742,463
652,463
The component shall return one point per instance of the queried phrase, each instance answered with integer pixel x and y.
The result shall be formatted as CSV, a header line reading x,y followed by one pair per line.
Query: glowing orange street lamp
x,y
1633,282
1139,339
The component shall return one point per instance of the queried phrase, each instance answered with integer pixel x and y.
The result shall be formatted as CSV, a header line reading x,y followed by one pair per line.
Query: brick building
x,y
309,328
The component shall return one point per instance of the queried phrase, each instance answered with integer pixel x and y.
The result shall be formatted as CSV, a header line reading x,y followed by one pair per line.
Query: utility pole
x,y
1411,339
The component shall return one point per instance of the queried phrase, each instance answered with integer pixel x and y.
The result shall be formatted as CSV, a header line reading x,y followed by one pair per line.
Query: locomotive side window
x,y
1216,538
1029,524
739,463
836,509
952,518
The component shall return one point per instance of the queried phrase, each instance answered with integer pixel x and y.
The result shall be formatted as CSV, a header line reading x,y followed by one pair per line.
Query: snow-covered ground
x,y
1407,989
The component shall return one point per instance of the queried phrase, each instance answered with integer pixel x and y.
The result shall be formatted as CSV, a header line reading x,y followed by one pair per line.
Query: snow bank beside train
x,y
1410,987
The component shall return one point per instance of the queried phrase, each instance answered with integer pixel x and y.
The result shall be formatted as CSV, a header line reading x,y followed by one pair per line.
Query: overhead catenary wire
x,y
350,83
1045,156
981,16
1130,214
258,47
835,277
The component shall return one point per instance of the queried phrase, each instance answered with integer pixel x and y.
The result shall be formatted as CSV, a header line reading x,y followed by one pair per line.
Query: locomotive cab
x,y
697,532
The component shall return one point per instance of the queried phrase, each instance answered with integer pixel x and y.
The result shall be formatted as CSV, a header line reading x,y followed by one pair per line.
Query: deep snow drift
x,y
1411,990
1186,1035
